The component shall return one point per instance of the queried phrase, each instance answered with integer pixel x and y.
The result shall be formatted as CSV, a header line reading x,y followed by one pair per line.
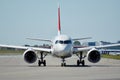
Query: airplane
x,y
62,47
110,51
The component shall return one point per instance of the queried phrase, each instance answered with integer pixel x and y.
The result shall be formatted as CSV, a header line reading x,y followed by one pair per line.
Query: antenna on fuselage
x,y
59,25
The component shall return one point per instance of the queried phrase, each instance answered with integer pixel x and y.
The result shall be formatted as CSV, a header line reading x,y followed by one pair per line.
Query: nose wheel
x,y
63,62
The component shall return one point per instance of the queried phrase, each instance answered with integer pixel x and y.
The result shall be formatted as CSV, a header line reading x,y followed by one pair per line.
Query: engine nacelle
x,y
93,55
30,56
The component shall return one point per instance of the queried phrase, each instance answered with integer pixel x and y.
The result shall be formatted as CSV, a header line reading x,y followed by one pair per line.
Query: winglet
x,y
59,25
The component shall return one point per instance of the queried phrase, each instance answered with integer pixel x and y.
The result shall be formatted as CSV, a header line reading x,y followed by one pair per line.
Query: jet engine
x,y
30,56
93,55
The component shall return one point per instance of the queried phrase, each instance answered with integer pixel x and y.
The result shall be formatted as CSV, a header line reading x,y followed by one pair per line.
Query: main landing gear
x,y
80,61
41,59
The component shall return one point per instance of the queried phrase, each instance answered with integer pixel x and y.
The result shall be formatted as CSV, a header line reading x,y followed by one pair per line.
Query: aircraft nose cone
x,y
62,51
65,48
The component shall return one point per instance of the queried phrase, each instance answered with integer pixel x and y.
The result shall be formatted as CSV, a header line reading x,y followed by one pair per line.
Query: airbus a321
x,y
62,47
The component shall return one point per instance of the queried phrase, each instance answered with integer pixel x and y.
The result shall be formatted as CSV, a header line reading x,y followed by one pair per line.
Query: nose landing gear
x,y
63,62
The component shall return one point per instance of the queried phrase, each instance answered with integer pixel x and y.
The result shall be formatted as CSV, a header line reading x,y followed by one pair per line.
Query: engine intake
x,y
30,56
93,56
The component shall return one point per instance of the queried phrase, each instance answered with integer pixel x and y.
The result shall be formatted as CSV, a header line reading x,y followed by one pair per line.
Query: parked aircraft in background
x,y
110,51
62,47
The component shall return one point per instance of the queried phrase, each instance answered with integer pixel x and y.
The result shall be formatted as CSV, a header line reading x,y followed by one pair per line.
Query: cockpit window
x,y
63,42
59,41
67,42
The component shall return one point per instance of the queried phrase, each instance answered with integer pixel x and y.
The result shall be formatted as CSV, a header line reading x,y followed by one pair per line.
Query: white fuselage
x,y
62,46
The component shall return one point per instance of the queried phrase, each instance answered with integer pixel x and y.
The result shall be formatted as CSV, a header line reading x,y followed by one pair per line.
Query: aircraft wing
x,y
36,39
81,38
91,47
23,47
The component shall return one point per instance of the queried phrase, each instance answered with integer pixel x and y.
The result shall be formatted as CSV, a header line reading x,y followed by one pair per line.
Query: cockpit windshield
x,y
63,42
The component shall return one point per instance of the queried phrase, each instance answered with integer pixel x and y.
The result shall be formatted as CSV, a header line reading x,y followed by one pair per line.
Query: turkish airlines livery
x,y
62,47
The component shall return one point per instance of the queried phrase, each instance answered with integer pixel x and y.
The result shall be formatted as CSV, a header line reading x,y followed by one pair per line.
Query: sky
x,y
21,19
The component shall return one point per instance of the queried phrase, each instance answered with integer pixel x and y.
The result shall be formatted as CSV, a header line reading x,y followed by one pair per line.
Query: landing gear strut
x,y
41,59
80,61
63,62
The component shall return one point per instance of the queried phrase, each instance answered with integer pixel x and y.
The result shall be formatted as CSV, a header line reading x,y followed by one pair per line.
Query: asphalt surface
x,y
13,67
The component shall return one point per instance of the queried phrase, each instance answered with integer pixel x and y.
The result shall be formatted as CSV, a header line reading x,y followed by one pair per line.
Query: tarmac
x,y
13,67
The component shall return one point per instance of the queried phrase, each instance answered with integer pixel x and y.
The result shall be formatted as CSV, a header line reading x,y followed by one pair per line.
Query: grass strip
x,y
9,52
111,56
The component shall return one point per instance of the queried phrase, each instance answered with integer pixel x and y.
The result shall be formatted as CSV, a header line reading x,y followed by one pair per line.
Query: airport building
x,y
111,50
96,43
91,44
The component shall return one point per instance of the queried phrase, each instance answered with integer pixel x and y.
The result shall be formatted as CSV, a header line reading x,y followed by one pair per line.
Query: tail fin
x,y
59,25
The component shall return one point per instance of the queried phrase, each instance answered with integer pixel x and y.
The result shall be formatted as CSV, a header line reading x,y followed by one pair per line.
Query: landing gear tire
x,y
39,63
41,59
81,59
63,64
83,63
44,62
80,62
